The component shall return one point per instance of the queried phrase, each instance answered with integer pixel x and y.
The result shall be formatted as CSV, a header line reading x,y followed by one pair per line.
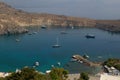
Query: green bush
x,y
58,74
2,78
32,74
113,62
84,76
26,74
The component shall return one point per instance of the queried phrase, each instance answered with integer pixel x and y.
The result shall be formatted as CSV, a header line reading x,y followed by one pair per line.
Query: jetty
x,y
85,61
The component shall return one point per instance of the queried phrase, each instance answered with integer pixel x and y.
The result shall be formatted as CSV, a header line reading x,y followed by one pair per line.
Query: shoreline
x,y
12,22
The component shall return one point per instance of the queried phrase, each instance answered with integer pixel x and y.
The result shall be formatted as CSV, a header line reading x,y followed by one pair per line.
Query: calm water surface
x,y
38,47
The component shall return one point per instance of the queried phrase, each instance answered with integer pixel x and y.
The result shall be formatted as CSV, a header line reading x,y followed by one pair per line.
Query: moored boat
x,y
17,40
36,63
56,45
86,56
63,32
44,27
90,36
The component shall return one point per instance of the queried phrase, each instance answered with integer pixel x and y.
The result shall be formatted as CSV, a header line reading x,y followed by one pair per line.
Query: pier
x,y
85,61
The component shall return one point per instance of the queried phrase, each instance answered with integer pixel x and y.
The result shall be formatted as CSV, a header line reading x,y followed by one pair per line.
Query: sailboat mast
x,y
56,45
57,40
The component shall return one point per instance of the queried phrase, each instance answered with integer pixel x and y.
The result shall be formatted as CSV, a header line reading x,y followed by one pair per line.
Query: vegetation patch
x,y
113,63
31,74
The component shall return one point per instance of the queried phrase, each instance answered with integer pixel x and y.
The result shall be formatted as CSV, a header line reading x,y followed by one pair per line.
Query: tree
x,y
31,74
58,74
2,78
84,76
26,74
113,62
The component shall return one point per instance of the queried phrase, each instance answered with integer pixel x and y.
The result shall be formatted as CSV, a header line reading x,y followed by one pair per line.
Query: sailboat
x,y
63,32
56,45
72,27
17,40
44,27
90,36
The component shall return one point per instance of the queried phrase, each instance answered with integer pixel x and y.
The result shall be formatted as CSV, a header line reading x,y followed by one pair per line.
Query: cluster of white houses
x,y
111,70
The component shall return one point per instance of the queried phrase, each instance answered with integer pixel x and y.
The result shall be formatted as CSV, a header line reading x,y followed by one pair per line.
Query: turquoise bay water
x,y
38,47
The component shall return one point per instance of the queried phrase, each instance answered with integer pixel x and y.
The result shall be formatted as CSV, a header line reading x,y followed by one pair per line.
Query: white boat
x,y
86,56
52,66
90,36
36,63
48,71
18,71
34,32
80,61
43,27
56,45
17,40
63,32
72,27
59,63
73,60
99,56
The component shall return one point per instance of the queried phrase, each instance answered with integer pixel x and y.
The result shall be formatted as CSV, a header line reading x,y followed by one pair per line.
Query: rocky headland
x,y
13,21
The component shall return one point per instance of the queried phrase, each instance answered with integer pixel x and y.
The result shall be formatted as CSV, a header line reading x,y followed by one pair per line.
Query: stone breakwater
x,y
85,61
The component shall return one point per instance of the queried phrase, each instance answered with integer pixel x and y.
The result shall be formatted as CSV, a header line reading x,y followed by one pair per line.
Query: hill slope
x,y
15,21
109,25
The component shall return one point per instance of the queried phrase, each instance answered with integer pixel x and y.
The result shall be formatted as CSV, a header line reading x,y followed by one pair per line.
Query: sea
x,y
18,51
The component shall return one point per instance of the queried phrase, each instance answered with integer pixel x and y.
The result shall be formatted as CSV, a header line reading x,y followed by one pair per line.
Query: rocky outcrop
x,y
9,28
15,21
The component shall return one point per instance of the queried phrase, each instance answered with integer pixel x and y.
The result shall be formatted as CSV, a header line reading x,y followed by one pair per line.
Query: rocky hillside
x,y
109,25
14,21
